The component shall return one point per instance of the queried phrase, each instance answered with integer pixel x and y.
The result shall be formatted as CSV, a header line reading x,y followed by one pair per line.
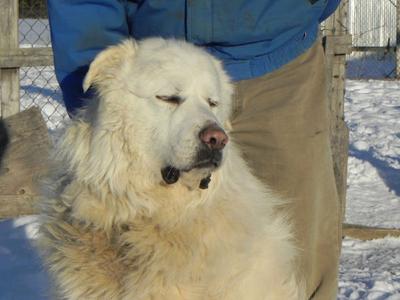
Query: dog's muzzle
x,y
209,156
171,175
206,159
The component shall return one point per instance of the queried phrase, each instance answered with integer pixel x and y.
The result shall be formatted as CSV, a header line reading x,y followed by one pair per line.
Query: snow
x,y
368,269
371,269
372,113
22,275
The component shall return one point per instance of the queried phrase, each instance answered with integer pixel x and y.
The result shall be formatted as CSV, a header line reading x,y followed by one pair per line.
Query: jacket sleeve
x,y
79,30
329,9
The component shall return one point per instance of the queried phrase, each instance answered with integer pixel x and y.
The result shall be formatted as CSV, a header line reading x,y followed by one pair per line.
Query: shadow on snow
x,y
22,275
389,175
46,92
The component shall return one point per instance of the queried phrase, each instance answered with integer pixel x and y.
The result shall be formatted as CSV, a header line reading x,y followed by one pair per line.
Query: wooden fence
x,y
17,197
12,58
24,142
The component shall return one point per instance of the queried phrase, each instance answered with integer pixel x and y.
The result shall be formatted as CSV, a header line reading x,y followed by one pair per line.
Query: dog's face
x,y
170,100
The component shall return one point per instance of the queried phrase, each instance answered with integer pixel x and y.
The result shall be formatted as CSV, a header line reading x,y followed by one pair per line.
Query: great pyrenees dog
x,y
150,199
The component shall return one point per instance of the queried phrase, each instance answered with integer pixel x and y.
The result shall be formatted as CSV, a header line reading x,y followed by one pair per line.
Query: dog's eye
x,y
175,99
212,102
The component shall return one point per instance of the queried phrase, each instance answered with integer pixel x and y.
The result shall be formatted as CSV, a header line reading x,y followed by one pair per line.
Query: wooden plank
x,y
12,206
340,145
25,144
9,90
339,133
9,78
339,130
336,24
337,44
368,233
26,57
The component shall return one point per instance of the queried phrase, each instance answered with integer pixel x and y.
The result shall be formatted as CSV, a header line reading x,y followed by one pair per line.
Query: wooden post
x,y
24,152
337,45
398,39
9,77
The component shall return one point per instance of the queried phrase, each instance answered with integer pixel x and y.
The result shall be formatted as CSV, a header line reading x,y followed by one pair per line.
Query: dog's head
x,y
161,112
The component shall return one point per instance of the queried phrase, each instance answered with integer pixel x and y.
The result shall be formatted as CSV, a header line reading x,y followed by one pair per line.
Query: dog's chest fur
x,y
170,258
186,262
144,259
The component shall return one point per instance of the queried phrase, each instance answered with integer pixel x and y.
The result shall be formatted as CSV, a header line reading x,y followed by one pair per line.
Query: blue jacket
x,y
251,37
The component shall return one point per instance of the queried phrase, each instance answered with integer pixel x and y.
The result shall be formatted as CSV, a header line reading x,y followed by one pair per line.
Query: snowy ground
x,y
368,270
371,270
372,112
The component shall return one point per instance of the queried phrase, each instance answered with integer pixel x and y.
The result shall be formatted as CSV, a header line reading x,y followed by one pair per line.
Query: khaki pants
x,y
281,125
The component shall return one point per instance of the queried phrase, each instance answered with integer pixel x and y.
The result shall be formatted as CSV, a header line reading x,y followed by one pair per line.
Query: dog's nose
x,y
214,137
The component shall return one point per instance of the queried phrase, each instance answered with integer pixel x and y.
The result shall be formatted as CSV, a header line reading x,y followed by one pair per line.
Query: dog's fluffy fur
x,y
112,228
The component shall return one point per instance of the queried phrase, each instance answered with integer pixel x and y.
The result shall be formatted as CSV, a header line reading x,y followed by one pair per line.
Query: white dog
x,y
154,201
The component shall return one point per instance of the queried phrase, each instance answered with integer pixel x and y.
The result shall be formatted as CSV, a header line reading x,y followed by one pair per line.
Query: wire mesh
x,y
372,24
376,64
39,86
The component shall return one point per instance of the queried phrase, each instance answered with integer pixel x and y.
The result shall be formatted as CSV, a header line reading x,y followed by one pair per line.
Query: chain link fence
x,y
39,86
372,24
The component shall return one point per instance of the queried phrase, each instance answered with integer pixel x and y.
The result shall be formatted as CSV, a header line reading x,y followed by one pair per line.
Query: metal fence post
x,y
9,77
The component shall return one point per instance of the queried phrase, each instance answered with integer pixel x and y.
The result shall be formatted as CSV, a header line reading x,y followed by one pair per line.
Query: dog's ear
x,y
106,61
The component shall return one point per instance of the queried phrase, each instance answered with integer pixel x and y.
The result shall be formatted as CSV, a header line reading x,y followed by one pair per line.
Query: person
x,y
272,52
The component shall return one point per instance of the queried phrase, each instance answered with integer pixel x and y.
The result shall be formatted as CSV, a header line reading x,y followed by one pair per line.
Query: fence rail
x,y
26,57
